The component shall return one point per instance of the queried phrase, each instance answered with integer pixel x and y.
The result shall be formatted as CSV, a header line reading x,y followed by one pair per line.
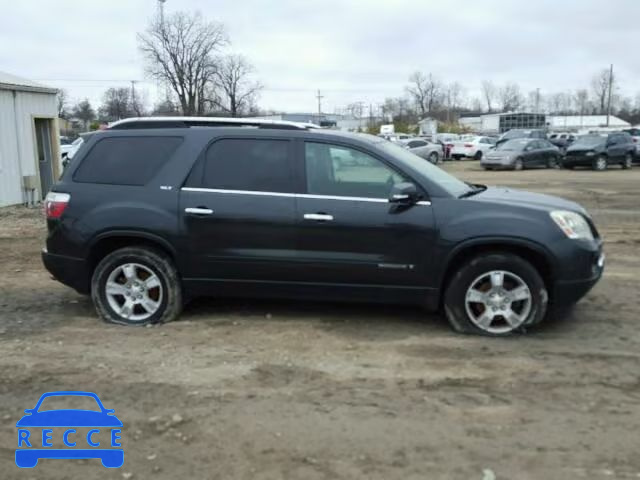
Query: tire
x,y
627,163
599,164
553,163
434,158
518,164
144,284
469,317
478,155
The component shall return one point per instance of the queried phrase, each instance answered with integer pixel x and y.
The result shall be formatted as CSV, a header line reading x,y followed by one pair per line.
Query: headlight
x,y
572,224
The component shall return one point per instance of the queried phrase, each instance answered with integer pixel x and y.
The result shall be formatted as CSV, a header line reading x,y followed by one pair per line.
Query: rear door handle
x,y
319,217
198,211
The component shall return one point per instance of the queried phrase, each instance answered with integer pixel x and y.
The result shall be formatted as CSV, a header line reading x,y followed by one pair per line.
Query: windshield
x,y
513,145
65,402
515,134
590,141
448,182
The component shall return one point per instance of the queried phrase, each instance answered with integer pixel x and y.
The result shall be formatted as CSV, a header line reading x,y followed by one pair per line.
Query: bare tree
x,y
581,100
510,97
62,101
600,88
181,52
84,111
355,109
166,108
425,91
235,93
138,102
489,94
116,104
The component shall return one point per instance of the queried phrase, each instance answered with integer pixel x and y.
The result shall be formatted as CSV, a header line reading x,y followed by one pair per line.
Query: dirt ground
x,y
267,390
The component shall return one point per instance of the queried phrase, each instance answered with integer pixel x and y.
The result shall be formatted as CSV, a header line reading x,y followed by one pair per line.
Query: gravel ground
x,y
268,390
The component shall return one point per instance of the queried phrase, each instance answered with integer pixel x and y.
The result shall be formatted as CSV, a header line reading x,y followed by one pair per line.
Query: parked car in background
x,y
447,139
395,137
562,140
74,147
521,153
65,146
472,147
600,151
153,211
424,149
635,137
522,133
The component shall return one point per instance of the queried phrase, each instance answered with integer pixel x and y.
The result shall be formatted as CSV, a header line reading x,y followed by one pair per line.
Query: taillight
x,y
55,204
635,139
468,145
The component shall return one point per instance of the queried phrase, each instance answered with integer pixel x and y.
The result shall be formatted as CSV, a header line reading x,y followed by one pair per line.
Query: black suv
x,y
152,212
600,151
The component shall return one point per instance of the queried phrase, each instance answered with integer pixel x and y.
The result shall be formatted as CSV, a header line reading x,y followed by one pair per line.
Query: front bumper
x,y
497,162
71,271
568,291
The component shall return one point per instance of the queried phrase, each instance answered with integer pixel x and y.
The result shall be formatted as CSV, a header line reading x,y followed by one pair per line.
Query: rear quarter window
x,y
126,160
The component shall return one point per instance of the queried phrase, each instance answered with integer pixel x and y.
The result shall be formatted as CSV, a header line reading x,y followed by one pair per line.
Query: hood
x,y
69,418
501,153
527,199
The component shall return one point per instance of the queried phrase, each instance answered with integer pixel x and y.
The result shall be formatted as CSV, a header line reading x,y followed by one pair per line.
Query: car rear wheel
x,y
136,286
478,155
599,164
627,162
518,164
495,294
552,162
434,157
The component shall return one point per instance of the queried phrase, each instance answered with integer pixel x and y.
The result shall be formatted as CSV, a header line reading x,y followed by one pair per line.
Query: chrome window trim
x,y
294,195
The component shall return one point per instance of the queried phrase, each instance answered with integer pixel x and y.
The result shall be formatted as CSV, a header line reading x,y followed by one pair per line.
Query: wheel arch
x,y
107,242
539,257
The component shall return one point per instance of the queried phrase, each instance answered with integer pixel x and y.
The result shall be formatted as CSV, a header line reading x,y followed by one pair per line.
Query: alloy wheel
x,y
134,291
498,302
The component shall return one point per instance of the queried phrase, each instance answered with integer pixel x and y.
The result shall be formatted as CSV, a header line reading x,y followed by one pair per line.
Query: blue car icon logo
x,y
84,434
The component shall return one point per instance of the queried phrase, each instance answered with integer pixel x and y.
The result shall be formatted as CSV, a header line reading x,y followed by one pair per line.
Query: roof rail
x,y
187,122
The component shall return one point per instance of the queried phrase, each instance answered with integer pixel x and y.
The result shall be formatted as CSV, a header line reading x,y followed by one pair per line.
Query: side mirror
x,y
404,193
29,411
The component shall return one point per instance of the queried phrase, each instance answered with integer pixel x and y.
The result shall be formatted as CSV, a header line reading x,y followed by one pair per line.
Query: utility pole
x,y
133,96
319,97
609,99
537,100
161,11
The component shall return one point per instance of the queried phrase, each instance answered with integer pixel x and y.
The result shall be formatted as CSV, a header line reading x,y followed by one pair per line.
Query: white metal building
x,y
29,140
501,122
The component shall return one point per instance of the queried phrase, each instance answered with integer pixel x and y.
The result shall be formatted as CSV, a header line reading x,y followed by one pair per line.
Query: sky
x,y
352,50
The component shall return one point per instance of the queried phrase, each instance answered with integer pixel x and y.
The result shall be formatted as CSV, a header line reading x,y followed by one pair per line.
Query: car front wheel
x,y
434,157
600,164
136,286
495,294
518,164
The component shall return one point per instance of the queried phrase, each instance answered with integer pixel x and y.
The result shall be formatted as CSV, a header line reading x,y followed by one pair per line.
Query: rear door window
x,y
126,160
256,165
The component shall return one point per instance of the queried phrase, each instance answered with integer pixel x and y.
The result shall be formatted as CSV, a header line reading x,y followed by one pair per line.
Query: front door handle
x,y
319,217
198,211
